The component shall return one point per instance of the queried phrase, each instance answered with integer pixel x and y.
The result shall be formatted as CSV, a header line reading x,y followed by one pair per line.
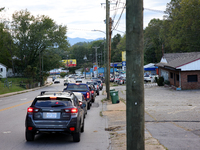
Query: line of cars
x,y
60,111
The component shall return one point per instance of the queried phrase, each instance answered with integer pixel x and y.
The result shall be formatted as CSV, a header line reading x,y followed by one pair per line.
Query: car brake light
x,y
53,98
71,110
92,92
30,128
80,103
72,128
88,95
97,86
74,110
32,109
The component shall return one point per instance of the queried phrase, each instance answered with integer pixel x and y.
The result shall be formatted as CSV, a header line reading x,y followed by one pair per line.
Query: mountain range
x,y
73,41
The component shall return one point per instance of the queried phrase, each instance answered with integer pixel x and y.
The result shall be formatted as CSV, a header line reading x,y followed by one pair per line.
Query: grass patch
x,y
15,85
101,113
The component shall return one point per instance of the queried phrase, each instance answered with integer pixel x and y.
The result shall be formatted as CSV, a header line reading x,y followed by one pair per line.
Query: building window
x,y
177,77
1,69
171,75
192,78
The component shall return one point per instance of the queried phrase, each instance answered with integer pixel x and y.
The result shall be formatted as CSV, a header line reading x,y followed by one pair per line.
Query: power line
x,y
119,18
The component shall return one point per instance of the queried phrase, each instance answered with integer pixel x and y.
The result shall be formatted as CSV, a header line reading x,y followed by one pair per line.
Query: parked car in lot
x,y
112,79
54,112
82,101
96,84
149,78
122,80
82,88
94,79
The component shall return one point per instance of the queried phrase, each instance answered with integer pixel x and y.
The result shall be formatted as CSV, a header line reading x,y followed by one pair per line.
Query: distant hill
x,y
73,41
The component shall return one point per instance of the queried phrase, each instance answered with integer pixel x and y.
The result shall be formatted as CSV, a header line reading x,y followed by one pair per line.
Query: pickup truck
x,y
82,88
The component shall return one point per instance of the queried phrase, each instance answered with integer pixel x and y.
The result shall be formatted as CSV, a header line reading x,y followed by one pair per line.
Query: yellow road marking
x,y
15,106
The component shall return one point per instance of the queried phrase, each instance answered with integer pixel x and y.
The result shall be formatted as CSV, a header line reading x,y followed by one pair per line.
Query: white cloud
x,y
81,16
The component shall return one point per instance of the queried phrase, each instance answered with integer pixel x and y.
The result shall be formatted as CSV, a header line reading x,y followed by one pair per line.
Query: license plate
x,y
51,115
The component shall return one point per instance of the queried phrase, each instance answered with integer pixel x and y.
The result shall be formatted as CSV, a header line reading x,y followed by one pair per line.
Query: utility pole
x,y
134,75
96,58
107,41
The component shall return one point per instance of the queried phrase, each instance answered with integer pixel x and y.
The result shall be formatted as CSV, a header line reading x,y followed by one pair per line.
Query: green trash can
x,y
112,89
114,97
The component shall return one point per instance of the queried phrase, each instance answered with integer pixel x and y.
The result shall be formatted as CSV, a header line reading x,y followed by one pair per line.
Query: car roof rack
x,y
55,92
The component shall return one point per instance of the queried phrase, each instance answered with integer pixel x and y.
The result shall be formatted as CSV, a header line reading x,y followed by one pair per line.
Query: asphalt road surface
x,y
12,126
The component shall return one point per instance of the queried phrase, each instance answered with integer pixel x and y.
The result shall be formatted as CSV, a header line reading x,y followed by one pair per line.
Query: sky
x,y
83,17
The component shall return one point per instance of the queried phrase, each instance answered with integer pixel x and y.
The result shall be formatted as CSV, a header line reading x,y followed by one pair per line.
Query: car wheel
x,y
30,136
88,106
98,93
82,128
77,136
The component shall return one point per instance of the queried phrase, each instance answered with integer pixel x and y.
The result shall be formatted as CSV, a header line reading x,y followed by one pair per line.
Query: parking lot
x,y
172,117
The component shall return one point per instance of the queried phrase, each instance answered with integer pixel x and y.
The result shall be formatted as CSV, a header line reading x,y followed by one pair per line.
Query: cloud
x,y
81,16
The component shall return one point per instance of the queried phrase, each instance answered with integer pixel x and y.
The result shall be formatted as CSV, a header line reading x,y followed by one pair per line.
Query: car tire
x,y
30,136
93,100
82,128
98,93
77,136
88,106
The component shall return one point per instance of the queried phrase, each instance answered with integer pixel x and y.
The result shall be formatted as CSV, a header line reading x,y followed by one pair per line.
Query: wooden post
x,y
134,75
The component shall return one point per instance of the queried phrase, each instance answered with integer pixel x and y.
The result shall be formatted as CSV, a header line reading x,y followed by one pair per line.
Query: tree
x,y
153,41
35,37
182,26
116,53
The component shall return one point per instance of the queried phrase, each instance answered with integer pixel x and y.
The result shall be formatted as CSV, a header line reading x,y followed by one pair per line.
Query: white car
x,y
149,78
78,80
57,80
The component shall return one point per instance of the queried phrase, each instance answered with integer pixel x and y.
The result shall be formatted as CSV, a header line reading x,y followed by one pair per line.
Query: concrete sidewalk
x,y
116,115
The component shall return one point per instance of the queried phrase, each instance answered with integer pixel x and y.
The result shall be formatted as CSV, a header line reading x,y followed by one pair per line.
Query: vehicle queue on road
x,y
61,111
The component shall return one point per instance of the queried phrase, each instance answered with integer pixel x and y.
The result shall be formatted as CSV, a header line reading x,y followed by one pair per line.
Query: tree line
x,y
34,45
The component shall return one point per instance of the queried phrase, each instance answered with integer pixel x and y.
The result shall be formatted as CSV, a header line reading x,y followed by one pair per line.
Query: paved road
x,y
12,126
172,116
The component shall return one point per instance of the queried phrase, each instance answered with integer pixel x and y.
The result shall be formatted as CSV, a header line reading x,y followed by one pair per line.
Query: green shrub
x,y
160,81
167,82
63,74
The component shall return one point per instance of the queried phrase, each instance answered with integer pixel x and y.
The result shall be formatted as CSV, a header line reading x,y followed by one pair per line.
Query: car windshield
x,y
77,87
47,102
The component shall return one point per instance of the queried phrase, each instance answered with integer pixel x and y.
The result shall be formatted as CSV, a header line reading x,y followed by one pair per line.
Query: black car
x,y
96,84
82,88
55,112
82,101
100,84
93,92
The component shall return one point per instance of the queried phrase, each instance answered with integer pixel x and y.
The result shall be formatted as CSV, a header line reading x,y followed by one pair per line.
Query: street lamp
x,y
107,75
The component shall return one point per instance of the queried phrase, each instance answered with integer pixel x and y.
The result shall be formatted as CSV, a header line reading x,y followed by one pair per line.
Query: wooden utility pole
x,y
134,75
108,44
